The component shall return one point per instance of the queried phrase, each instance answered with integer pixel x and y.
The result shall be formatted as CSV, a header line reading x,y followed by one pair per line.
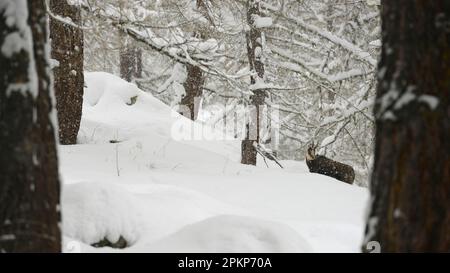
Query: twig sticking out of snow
x,y
265,153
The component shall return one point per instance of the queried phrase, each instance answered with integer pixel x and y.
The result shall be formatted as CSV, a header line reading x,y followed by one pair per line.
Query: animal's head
x,y
311,151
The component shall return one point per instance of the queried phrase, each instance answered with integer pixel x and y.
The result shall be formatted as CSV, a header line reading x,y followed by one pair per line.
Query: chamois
x,y
323,165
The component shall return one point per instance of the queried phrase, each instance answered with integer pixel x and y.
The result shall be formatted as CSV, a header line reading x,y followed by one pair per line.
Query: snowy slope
x,y
165,193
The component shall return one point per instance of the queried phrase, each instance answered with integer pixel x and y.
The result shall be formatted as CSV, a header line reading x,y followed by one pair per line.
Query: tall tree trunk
x,y
193,86
29,181
254,52
67,49
130,62
410,207
130,56
138,57
195,81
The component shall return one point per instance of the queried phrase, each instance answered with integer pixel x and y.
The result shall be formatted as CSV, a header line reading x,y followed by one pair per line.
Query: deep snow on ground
x,y
165,193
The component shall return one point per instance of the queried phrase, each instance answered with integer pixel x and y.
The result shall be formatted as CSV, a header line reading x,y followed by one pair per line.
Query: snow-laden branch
x,y
65,20
345,75
341,76
298,69
360,53
357,51
349,113
297,62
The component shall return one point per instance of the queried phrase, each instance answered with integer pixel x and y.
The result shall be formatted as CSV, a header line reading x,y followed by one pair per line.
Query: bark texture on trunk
x,y
67,49
410,184
193,87
130,63
29,180
254,52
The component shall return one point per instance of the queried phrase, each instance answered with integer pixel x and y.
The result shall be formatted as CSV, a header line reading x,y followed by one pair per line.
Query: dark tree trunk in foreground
x,y
29,182
130,62
254,51
411,178
67,49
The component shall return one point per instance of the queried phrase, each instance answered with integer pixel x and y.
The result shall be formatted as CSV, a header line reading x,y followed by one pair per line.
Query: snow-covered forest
x,y
224,126
319,60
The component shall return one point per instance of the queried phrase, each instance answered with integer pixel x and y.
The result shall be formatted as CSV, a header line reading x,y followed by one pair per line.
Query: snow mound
x,y
95,211
114,109
228,233
102,88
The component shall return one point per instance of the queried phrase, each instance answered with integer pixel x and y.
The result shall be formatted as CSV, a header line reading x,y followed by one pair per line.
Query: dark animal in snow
x,y
323,165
